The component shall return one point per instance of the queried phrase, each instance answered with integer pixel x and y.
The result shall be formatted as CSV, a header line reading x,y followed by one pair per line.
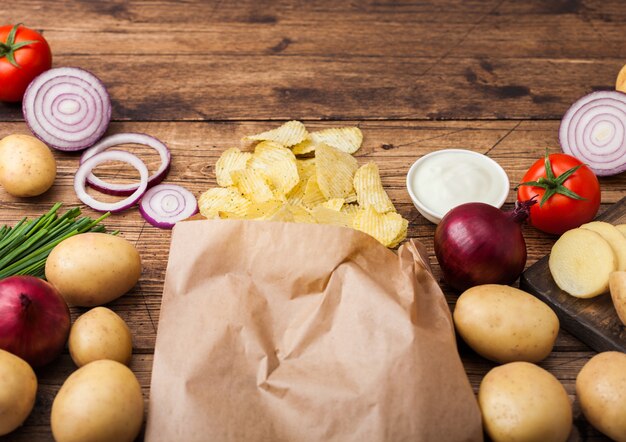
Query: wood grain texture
x,y
392,145
201,60
594,321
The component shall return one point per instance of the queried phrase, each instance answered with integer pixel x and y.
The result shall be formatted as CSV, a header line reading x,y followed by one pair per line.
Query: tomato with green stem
x,y
568,193
24,54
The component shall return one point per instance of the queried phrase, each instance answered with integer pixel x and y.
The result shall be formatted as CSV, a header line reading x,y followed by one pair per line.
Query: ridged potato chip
x,y
334,204
289,134
232,159
313,196
346,139
351,209
324,215
385,227
296,195
253,185
304,147
370,190
306,168
335,171
220,199
278,164
257,211
300,214
401,236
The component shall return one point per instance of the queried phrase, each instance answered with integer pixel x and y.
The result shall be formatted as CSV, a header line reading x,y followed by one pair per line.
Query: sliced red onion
x,y
166,204
67,108
594,131
128,138
115,155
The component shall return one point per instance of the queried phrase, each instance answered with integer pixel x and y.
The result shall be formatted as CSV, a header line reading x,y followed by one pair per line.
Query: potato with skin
x,y
100,334
92,269
101,401
27,166
504,324
581,261
18,388
601,391
522,402
617,287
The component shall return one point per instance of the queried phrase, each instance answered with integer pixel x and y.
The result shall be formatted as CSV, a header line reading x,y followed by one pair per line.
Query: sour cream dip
x,y
442,180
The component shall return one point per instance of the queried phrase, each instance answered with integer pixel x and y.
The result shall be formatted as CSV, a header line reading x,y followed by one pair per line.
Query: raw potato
x,y
613,236
617,286
580,263
92,269
523,402
622,229
101,401
601,390
18,387
100,334
27,166
504,324
620,82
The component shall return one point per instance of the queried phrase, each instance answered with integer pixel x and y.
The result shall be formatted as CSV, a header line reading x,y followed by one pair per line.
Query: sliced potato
x,y
620,82
617,286
622,229
616,240
581,261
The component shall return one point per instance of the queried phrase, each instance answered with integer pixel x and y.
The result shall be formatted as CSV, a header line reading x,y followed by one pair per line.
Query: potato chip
x,y
313,196
334,204
278,164
257,211
346,139
306,168
300,214
282,214
304,147
401,234
385,227
253,185
369,189
296,195
289,134
324,215
232,159
219,199
335,171
351,209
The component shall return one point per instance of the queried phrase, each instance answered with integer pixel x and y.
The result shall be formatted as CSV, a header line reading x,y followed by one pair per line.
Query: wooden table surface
x,y
493,76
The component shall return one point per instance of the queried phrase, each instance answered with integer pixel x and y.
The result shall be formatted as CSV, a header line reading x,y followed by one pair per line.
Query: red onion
x,y
67,108
166,204
594,131
115,155
34,319
128,138
476,243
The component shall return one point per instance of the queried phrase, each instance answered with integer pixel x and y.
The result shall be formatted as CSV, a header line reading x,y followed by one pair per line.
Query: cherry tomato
x,y
24,54
568,193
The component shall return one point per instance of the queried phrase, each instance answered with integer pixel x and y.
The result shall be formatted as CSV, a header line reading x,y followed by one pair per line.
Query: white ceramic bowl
x,y
500,181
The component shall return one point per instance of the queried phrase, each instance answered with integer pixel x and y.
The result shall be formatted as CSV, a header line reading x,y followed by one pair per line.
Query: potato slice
x,y
622,229
620,82
616,240
581,262
617,285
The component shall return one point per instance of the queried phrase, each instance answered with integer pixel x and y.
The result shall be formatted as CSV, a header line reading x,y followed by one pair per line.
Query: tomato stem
x,y
8,48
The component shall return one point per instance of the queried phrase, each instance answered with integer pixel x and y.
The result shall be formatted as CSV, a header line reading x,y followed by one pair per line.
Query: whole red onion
x,y
34,319
476,243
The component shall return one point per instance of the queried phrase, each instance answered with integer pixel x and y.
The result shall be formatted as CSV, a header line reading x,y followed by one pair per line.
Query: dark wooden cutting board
x,y
594,321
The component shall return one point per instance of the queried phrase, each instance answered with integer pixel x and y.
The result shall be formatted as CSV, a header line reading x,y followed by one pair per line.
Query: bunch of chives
x,y
25,246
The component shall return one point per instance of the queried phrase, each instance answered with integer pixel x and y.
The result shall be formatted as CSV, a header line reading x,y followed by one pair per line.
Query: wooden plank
x,y
594,321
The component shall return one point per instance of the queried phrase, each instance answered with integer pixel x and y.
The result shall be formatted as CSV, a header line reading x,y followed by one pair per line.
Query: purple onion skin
x,y
477,244
34,319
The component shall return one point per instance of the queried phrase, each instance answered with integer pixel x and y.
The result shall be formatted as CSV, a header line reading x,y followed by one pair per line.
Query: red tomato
x,y
564,201
27,49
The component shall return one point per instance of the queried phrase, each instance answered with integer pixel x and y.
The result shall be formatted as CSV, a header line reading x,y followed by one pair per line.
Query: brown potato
x,y
601,390
18,387
617,286
92,269
100,334
27,166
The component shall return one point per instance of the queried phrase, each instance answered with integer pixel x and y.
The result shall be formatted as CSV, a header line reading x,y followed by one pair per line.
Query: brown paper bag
x,y
296,332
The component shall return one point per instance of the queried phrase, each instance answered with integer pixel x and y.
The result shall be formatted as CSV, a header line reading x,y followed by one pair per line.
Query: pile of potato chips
x,y
272,184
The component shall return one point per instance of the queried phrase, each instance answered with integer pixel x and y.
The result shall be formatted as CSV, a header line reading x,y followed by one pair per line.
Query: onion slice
x,y
166,204
115,155
67,108
594,131
128,138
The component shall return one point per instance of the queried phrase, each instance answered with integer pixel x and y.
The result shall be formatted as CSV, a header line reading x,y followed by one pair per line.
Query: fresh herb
x,y
25,247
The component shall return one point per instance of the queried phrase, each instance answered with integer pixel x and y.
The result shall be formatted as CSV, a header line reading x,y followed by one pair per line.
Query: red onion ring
x,y
67,108
166,204
128,138
594,131
115,155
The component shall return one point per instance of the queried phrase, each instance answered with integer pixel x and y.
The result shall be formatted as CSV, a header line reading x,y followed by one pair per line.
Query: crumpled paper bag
x,y
297,332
